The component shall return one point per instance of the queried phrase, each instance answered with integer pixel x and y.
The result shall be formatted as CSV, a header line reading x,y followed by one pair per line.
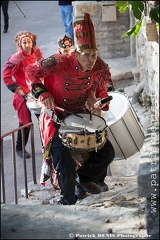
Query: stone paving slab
x,y
118,211
66,222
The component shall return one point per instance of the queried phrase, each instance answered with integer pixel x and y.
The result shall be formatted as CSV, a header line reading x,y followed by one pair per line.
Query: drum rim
x,y
120,115
88,114
84,114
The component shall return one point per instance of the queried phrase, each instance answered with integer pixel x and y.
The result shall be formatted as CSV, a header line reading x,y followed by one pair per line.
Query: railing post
x,y
14,169
14,161
24,162
33,155
2,172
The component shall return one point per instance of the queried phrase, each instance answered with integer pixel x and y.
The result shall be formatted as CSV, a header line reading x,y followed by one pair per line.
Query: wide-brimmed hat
x,y
84,33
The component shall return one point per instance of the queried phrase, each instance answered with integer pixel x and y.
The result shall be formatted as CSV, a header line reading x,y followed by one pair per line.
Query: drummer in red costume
x,y
65,47
14,78
70,83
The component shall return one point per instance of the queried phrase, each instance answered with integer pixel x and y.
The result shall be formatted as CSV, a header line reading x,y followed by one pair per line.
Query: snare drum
x,y
78,133
124,129
34,105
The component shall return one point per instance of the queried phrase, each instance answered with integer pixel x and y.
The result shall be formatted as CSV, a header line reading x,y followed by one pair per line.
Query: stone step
x,y
124,71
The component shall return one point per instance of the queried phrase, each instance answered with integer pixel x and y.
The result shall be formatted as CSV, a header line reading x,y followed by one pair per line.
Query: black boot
x,y
19,142
80,192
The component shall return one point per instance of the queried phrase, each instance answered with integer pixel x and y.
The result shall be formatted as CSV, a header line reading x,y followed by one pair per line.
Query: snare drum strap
x,y
57,119
49,112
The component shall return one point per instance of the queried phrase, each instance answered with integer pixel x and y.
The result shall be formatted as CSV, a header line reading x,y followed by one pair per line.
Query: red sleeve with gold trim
x,y
102,73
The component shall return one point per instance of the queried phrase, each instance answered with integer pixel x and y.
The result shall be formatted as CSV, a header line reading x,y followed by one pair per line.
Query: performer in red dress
x,y
70,83
14,78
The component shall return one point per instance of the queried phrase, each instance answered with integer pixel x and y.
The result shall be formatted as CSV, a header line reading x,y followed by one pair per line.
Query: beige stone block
x,y
151,32
80,9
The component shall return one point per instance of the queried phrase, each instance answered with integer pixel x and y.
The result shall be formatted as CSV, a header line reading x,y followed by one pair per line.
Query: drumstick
x,y
103,100
65,111
90,114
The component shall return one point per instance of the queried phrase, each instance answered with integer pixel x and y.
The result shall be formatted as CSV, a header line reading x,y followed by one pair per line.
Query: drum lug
x,y
68,141
75,141
65,140
106,134
89,141
98,137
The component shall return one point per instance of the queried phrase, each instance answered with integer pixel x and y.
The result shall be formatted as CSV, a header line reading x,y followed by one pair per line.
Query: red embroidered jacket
x,y
68,85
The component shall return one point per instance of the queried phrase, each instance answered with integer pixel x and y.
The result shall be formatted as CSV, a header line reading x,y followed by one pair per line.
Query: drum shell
x,y
83,142
125,133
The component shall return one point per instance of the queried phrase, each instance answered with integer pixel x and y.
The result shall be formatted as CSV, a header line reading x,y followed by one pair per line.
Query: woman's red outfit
x,y
14,78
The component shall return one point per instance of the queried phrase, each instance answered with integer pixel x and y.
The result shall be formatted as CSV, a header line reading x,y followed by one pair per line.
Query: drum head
x,y
97,123
33,104
117,108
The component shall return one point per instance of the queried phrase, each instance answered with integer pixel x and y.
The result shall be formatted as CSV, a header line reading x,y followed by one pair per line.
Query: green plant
x,y
139,10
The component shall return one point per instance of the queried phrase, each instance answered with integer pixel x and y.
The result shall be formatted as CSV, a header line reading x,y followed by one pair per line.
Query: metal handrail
x,y
12,133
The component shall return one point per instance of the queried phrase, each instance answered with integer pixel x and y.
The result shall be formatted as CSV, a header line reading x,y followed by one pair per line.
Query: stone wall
x,y
108,33
148,65
148,179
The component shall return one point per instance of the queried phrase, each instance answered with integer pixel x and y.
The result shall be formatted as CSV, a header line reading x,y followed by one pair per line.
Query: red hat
x,y
84,33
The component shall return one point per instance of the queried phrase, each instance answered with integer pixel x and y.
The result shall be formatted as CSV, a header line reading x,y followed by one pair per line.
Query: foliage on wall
x,y
139,10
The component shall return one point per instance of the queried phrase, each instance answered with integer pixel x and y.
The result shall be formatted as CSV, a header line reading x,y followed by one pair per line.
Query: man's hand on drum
x,y
20,91
98,105
94,104
49,103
